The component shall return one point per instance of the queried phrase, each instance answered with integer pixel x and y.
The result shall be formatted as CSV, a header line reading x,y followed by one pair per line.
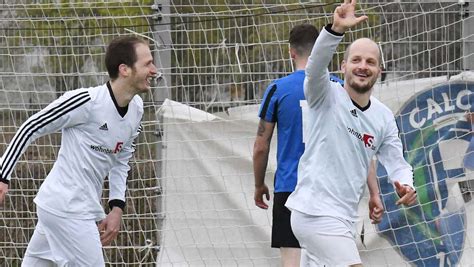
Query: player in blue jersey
x,y
282,105
347,128
98,126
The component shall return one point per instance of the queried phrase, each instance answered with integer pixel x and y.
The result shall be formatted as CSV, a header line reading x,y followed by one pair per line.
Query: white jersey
x,y
96,142
343,138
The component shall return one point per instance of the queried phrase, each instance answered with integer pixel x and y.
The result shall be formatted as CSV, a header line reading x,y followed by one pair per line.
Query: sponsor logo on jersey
x,y
118,147
436,138
104,127
102,149
367,139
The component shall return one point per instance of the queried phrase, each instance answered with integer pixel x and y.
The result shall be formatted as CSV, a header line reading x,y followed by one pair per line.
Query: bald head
x,y
363,44
361,66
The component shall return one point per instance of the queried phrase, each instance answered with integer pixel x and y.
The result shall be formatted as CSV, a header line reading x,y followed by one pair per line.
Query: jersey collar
x,y
121,110
361,108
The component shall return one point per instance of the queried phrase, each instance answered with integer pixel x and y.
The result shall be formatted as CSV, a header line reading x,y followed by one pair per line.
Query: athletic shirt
x,y
96,142
343,138
282,104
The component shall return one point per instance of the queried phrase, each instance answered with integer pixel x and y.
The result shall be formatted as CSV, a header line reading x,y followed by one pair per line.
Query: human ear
x,y
292,53
124,70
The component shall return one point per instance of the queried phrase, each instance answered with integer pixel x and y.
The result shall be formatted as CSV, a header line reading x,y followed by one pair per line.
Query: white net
x,y
190,197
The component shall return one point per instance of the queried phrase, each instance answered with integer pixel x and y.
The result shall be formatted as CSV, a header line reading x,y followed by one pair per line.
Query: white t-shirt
x,y
342,140
96,142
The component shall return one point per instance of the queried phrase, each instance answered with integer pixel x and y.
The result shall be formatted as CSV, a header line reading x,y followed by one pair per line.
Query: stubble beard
x,y
361,88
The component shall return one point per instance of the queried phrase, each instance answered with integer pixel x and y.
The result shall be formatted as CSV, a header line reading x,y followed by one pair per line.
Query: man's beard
x,y
362,89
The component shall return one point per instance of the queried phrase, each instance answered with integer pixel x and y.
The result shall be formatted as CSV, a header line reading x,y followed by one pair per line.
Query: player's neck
x,y
361,99
300,63
122,92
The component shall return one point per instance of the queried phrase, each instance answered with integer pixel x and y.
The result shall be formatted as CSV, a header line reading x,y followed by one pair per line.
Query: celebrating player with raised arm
x,y
282,107
347,127
98,126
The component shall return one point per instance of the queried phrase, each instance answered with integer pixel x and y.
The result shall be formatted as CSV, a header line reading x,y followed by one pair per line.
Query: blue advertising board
x,y
431,233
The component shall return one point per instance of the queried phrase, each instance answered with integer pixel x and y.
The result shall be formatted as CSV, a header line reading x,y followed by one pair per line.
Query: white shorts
x,y
58,241
325,240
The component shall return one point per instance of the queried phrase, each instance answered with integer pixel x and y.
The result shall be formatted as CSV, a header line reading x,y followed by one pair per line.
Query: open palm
x,y
344,16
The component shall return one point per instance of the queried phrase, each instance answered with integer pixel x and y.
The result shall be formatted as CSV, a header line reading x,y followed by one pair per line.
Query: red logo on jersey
x,y
368,140
118,147
99,148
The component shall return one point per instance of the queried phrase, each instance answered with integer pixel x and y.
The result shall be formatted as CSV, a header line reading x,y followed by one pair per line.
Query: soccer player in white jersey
x,y
98,125
347,128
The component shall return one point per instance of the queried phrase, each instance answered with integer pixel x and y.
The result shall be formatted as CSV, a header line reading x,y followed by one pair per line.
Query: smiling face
x,y
143,70
361,65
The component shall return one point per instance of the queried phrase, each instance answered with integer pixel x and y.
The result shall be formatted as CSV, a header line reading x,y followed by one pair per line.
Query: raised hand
x,y
406,193
344,17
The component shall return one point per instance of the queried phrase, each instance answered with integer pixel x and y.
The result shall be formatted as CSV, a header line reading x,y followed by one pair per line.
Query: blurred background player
x,y
98,126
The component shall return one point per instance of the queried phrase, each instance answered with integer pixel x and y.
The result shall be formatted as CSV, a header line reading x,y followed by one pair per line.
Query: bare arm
x,y
261,150
372,179
375,203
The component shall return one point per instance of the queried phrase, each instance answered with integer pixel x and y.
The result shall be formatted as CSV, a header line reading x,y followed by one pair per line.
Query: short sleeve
x,y
268,108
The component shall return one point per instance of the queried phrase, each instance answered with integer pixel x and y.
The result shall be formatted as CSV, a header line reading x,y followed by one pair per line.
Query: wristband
x,y
117,203
328,28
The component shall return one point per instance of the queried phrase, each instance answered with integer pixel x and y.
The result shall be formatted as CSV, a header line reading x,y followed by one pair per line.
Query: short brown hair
x,y
121,50
302,38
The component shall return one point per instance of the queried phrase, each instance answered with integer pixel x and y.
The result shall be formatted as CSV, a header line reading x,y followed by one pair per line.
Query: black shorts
x,y
282,235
